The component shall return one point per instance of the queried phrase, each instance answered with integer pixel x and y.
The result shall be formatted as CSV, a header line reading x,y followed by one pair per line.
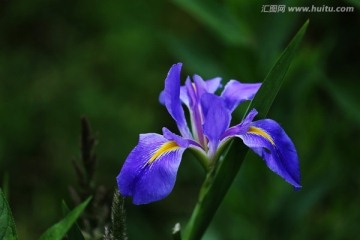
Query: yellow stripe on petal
x,y
260,132
166,147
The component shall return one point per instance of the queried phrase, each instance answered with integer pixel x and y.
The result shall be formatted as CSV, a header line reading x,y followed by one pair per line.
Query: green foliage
x,y
74,232
7,224
59,230
273,81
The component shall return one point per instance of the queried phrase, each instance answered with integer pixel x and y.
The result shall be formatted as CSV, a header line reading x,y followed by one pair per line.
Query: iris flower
x,y
149,172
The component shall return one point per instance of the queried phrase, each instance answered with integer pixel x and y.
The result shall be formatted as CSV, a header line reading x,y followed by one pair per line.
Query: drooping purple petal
x,y
217,119
149,172
267,139
236,92
171,97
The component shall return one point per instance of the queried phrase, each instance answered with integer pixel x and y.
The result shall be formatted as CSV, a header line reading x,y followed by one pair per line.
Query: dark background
x,y
107,60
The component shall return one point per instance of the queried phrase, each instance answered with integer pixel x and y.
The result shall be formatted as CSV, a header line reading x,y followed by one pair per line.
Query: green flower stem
x,y
215,187
204,161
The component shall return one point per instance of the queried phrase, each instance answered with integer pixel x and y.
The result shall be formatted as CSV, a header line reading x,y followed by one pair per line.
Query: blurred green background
x,y
107,60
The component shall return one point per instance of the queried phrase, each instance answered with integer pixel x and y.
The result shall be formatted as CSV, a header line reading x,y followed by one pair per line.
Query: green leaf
x,y
218,19
273,81
7,224
74,233
220,179
59,230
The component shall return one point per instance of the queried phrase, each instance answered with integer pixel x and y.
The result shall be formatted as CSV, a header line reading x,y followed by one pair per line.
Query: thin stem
x,y
200,155
214,189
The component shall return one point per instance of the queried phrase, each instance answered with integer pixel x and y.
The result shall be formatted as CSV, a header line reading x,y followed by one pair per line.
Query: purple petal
x,y
200,84
184,143
191,92
213,84
184,96
217,119
149,172
162,97
241,128
194,91
269,141
235,93
171,97
209,86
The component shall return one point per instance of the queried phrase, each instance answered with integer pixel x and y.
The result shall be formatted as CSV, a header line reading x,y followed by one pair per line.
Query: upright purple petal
x,y
184,95
236,92
217,119
213,84
171,97
209,86
269,141
149,172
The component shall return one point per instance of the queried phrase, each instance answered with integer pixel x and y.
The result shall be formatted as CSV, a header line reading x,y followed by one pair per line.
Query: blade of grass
x,y
275,78
74,232
59,230
219,181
